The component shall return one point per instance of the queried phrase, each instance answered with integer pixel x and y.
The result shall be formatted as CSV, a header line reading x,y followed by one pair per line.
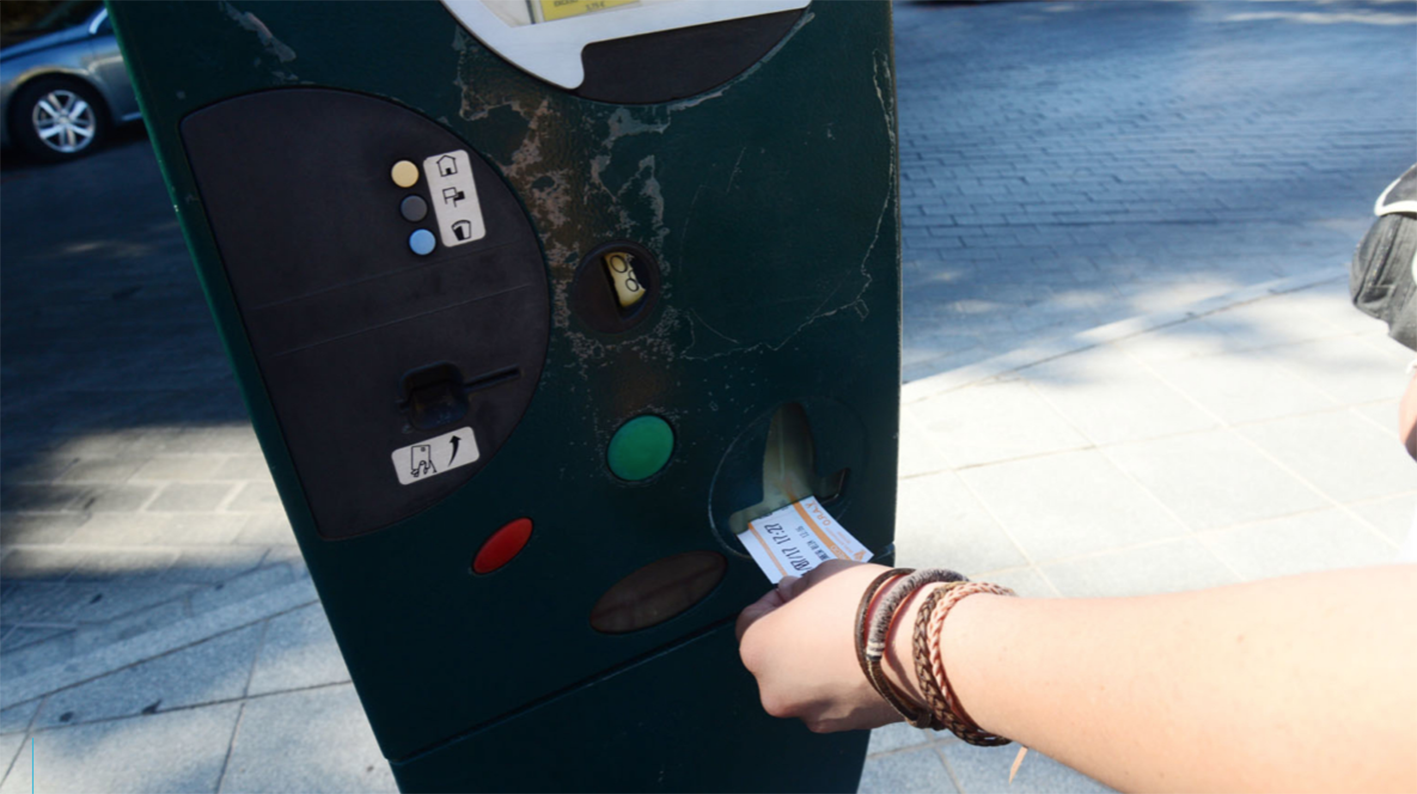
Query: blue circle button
x,y
422,242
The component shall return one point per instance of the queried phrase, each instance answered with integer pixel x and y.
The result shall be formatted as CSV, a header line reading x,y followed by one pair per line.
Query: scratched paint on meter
x,y
434,456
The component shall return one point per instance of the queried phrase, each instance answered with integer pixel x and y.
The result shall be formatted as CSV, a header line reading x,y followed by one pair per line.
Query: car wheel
x,y
56,119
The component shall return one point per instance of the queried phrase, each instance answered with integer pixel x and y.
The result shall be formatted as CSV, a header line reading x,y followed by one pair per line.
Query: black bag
x,y
1381,279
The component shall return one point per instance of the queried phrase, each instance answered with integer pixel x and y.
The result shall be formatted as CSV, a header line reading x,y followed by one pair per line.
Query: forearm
x,y
1304,683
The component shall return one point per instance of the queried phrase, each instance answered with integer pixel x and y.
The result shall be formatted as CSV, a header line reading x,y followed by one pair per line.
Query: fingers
x,y
757,611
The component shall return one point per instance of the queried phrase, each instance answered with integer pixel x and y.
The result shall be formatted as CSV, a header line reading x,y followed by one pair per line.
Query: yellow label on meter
x,y
560,9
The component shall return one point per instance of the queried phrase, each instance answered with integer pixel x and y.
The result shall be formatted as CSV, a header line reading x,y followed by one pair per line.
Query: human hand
x,y
798,642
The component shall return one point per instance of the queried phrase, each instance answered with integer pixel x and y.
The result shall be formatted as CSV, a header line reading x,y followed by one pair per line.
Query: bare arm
x,y
1301,683
1407,417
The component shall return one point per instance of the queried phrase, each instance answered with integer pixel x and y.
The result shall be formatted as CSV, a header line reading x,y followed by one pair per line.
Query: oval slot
x,y
658,592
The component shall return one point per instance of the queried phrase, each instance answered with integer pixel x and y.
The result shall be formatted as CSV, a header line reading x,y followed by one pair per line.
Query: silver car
x,y
63,85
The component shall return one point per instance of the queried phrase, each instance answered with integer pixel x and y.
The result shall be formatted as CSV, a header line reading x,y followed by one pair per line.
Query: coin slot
x,y
616,287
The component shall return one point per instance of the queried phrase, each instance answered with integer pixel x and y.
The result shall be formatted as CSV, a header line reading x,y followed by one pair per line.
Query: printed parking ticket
x,y
798,538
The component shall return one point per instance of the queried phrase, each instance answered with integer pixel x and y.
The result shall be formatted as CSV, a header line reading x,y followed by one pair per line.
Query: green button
x,y
640,448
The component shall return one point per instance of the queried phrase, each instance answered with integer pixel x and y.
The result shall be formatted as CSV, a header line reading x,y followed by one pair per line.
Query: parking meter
x,y
534,304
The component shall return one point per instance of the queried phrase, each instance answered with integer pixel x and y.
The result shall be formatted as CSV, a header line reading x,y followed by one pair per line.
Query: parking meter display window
x,y
339,309
534,12
631,51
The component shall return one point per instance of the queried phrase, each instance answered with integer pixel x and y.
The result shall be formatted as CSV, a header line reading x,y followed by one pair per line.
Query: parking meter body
x,y
526,342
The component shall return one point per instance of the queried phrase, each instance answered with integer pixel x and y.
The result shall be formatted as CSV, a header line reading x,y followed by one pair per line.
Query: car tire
x,y
58,118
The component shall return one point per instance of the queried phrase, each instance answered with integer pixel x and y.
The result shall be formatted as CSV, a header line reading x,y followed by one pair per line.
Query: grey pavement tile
x,y
1213,479
191,497
180,467
16,719
112,498
1070,503
94,601
117,529
105,470
910,772
1272,323
149,441
940,524
14,751
235,438
1351,368
256,497
1340,453
299,651
39,528
127,563
180,751
240,588
993,422
214,670
197,529
896,736
1244,387
1382,414
1316,541
1392,516
91,636
985,769
917,454
310,741
40,564
1112,397
94,444
40,498
42,469
242,467
54,650
265,529
21,635
1168,567
209,565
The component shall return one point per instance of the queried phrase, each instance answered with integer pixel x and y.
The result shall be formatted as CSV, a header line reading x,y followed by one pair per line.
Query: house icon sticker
x,y
447,166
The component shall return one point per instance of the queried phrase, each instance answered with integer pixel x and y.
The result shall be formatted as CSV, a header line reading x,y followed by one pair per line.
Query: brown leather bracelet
x,y
931,650
871,640
863,610
934,698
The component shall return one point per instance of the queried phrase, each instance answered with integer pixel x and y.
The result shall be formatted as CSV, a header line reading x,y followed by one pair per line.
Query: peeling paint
x,y
251,22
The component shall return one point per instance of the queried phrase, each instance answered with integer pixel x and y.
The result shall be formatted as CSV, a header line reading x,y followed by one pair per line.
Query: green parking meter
x,y
534,305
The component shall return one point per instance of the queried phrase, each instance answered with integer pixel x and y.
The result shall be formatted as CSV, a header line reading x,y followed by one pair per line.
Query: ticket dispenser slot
x,y
777,461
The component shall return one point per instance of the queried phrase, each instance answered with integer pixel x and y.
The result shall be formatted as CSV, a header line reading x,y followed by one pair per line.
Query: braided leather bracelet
x,y
870,654
929,637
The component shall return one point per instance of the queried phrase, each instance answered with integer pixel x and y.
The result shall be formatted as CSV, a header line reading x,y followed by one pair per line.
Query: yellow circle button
x,y
405,174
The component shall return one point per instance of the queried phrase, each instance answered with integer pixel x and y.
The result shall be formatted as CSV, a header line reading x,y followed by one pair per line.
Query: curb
x,y
934,385
158,642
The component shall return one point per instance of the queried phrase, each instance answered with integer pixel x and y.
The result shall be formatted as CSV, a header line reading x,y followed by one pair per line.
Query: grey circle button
x,y
413,208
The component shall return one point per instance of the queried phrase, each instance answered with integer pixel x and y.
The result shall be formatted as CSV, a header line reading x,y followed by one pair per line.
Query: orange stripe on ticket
x,y
767,549
822,536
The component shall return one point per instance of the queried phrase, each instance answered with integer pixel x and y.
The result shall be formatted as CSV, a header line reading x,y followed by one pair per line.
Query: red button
x,y
504,544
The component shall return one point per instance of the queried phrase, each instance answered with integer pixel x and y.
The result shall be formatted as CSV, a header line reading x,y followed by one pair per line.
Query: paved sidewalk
x,y
1066,165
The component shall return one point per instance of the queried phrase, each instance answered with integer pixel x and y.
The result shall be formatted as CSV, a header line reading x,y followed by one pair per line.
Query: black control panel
x,y
390,283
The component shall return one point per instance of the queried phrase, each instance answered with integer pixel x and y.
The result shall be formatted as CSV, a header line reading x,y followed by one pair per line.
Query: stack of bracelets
x,y
873,624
